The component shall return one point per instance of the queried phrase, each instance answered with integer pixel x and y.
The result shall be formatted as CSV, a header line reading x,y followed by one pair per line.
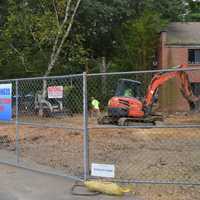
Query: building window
x,y
194,56
196,88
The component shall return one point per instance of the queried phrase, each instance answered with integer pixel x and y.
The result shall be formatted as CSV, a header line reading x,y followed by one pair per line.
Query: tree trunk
x,y
58,43
103,69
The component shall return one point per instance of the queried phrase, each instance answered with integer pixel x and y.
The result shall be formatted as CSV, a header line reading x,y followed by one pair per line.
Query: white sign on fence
x,y
102,170
55,92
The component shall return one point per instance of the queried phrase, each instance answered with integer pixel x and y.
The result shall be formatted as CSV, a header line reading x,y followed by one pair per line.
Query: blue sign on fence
x,y
5,102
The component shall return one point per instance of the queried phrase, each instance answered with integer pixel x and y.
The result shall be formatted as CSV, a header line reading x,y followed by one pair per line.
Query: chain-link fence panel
x,y
171,94
52,101
7,142
50,126
165,150
7,122
52,149
45,131
156,154
103,87
169,191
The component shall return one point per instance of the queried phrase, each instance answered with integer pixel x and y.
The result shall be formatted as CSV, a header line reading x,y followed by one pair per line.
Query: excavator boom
x,y
161,78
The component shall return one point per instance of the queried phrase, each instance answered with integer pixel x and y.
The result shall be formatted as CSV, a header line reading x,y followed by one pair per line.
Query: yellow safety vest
x,y
95,104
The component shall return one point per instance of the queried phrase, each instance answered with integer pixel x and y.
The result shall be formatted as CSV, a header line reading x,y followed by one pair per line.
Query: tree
x,y
139,40
35,34
193,13
63,29
171,10
33,31
99,20
102,21
39,27
3,11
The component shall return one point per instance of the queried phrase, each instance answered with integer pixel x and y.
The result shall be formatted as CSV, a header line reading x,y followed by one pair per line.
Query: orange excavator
x,y
128,108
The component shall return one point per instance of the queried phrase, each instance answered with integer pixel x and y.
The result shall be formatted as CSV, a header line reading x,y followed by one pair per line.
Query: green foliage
x,y
73,99
193,11
28,35
172,10
139,40
125,32
107,36
98,20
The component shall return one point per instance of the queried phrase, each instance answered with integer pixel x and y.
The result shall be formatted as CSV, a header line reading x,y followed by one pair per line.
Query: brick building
x,y
179,43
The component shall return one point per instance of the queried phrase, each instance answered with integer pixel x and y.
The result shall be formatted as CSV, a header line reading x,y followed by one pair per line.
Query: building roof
x,y
183,33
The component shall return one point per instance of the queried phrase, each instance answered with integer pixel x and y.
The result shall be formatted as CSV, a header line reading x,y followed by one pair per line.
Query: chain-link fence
x,y
45,129
56,126
165,151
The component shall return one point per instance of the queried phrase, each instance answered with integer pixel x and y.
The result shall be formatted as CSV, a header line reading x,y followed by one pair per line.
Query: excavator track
x,y
107,120
129,121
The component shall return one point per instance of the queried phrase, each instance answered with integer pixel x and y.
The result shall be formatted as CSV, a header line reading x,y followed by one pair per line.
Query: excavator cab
x,y
128,88
128,93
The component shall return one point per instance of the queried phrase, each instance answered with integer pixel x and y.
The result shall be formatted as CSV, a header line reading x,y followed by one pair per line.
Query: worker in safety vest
x,y
95,107
128,93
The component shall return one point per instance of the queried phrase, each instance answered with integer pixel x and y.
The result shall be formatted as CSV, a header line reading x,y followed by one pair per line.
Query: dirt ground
x,y
158,154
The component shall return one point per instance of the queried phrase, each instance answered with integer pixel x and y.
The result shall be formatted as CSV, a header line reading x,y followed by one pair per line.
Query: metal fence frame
x,y
177,126
17,123
86,128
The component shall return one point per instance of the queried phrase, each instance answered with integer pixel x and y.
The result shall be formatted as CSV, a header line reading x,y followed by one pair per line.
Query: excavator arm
x,y
161,78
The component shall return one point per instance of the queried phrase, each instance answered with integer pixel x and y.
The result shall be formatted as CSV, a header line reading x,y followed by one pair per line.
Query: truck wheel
x,y
46,113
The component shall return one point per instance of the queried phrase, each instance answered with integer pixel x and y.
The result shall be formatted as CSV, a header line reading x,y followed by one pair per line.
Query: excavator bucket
x,y
194,103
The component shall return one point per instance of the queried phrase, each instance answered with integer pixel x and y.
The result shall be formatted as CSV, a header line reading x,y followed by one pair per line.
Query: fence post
x,y
85,128
17,121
